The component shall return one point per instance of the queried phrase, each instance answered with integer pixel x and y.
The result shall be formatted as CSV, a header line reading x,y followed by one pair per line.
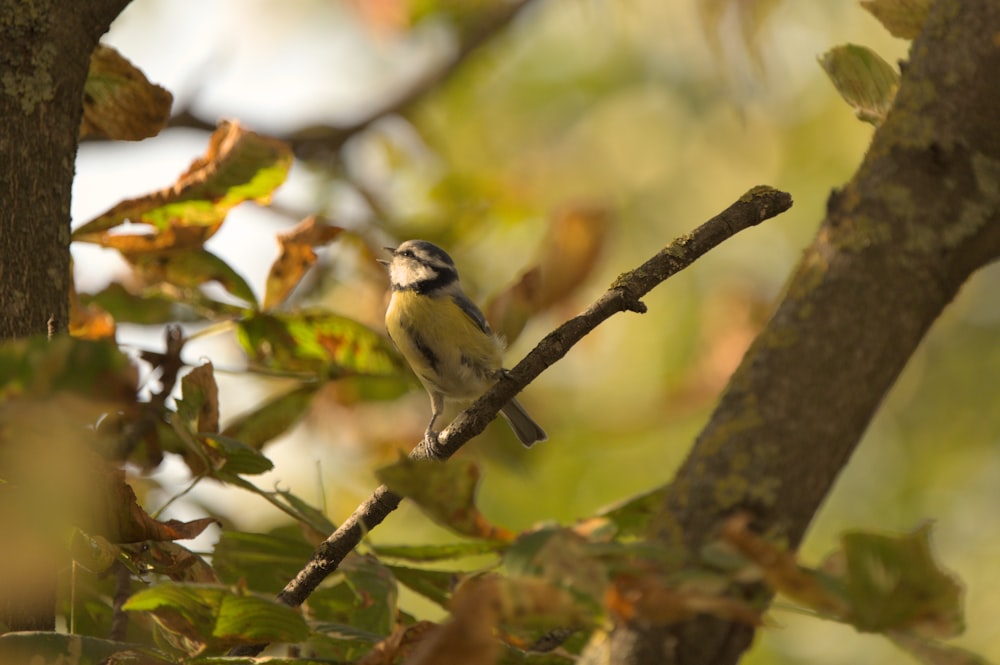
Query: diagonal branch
x,y
755,206
318,141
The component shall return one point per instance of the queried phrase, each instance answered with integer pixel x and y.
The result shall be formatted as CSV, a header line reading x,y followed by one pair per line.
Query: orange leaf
x,y
568,254
88,322
296,257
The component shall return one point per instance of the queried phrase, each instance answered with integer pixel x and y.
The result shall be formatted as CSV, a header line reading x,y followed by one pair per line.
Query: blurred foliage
x,y
570,149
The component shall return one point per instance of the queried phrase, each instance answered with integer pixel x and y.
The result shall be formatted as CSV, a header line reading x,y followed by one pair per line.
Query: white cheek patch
x,y
410,272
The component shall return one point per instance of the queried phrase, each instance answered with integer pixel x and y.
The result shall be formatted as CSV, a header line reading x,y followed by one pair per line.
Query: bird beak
x,y
391,250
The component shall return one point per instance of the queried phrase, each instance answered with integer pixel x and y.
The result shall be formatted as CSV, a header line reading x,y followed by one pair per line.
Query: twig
x,y
169,363
757,205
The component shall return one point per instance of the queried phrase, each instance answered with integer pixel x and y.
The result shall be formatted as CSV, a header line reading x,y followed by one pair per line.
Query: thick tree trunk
x,y
918,218
45,51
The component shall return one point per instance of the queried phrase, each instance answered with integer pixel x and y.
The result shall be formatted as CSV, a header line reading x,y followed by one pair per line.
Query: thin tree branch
x,y
316,142
755,206
169,363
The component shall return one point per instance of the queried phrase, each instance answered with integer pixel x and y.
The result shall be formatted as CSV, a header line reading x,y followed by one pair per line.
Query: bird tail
x,y
526,429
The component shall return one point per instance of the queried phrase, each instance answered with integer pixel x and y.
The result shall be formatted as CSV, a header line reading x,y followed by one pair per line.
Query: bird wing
x,y
473,313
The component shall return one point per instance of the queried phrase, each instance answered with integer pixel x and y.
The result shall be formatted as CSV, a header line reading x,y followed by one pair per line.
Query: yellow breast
x,y
446,349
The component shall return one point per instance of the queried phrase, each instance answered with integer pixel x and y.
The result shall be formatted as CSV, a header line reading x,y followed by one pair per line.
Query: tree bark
x,y
921,214
45,48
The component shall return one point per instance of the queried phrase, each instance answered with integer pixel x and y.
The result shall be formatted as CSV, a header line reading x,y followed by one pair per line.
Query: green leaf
x,y
893,582
270,660
272,419
341,642
43,648
632,516
147,308
374,584
215,616
438,552
237,457
317,342
264,562
256,619
866,82
238,166
190,268
308,517
435,585
902,18
308,514
446,492
39,367
562,557
365,598
932,652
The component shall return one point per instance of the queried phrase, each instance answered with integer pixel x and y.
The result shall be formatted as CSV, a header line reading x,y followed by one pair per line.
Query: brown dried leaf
x,y
119,102
117,515
296,257
238,166
651,598
200,401
780,569
175,561
399,644
567,256
467,637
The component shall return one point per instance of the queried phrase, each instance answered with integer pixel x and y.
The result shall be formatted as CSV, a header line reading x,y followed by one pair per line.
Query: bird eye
x,y
407,253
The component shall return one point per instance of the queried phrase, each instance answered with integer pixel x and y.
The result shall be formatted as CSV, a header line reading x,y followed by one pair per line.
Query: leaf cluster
x,y
540,596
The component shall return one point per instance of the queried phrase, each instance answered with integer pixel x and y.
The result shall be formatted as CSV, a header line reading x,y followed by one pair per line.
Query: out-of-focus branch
x,y
755,206
919,217
318,141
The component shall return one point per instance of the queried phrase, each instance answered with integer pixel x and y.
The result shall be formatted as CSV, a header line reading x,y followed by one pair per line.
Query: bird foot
x,y
431,439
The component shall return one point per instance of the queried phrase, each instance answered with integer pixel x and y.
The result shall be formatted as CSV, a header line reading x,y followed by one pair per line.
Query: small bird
x,y
443,335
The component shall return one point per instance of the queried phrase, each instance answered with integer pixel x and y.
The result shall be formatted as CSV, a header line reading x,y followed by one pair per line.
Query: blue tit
x,y
443,335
